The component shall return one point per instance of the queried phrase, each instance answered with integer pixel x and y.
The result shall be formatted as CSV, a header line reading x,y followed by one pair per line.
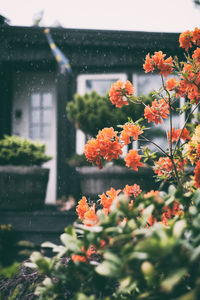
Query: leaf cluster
x,y
136,261
18,151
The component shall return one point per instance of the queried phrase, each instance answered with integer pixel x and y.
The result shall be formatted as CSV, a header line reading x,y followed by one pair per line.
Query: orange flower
x,y
82,207
171,84
130,130
196,55
197,175
164,166
102,243
108,143
151,221
196,36
90,217
158,111
189,83
132,160
119,91
130,190
107,201
150,194
185,135
185,39
171,212
176,133
91,250
198,151
148,65
91,151
76,258
87,254
157,61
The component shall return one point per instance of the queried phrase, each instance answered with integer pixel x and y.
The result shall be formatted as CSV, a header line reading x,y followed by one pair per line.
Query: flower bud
x,y
147,268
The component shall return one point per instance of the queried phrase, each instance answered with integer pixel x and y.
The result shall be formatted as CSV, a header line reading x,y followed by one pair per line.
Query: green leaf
x,y
196,197
168,284
70,242
107,268
179,227
81,296
112,257
48,245
146,214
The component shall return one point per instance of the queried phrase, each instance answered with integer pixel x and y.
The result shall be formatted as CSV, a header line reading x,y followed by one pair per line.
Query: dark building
x,y
33,92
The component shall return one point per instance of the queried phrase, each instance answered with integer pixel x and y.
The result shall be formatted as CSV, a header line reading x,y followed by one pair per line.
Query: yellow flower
x,y
196,136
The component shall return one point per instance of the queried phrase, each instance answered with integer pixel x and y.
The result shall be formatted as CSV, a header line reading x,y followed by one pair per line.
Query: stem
x,y
156,145
171,154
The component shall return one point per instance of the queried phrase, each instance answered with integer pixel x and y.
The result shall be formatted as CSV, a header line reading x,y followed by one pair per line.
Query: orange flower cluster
x,y
130,130
85,213
171,84
185,135
157,61
164,166
157,112
190,82
132,160
188,37
171,212
119,91
86,254
106,145
132,190
168,212
152,193
197,175
107,201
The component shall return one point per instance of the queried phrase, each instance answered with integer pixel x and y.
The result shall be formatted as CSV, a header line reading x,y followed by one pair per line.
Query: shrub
x,y
92,112
138,245
18,151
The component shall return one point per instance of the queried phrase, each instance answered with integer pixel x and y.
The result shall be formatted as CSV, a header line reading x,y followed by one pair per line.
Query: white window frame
x,y
81,89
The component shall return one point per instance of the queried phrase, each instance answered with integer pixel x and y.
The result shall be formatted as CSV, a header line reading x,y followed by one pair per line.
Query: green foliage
x,y
135,262
18,151
93,112
9,270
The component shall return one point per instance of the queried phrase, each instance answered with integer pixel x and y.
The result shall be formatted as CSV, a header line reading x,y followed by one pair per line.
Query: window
x,y
94,82
144,84
40,116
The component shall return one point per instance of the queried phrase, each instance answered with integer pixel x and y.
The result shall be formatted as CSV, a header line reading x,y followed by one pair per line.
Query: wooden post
x,y
65,136
5,99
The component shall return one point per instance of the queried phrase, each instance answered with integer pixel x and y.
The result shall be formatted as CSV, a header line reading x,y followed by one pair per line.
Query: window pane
x,y
46,131
46,116
35,116
47,100
35,100
100,86
35,132
147,83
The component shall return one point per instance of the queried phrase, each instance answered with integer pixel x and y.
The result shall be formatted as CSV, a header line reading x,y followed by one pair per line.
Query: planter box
x,y
94,181
22,187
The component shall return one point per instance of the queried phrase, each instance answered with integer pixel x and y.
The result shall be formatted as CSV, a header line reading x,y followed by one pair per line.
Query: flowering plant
x,y
139,245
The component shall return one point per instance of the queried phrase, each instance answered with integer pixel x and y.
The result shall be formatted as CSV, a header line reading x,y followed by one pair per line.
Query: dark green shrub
x,y
19,151
92,112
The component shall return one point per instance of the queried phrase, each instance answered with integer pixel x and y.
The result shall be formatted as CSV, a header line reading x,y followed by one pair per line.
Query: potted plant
x,y
91,113
23,181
